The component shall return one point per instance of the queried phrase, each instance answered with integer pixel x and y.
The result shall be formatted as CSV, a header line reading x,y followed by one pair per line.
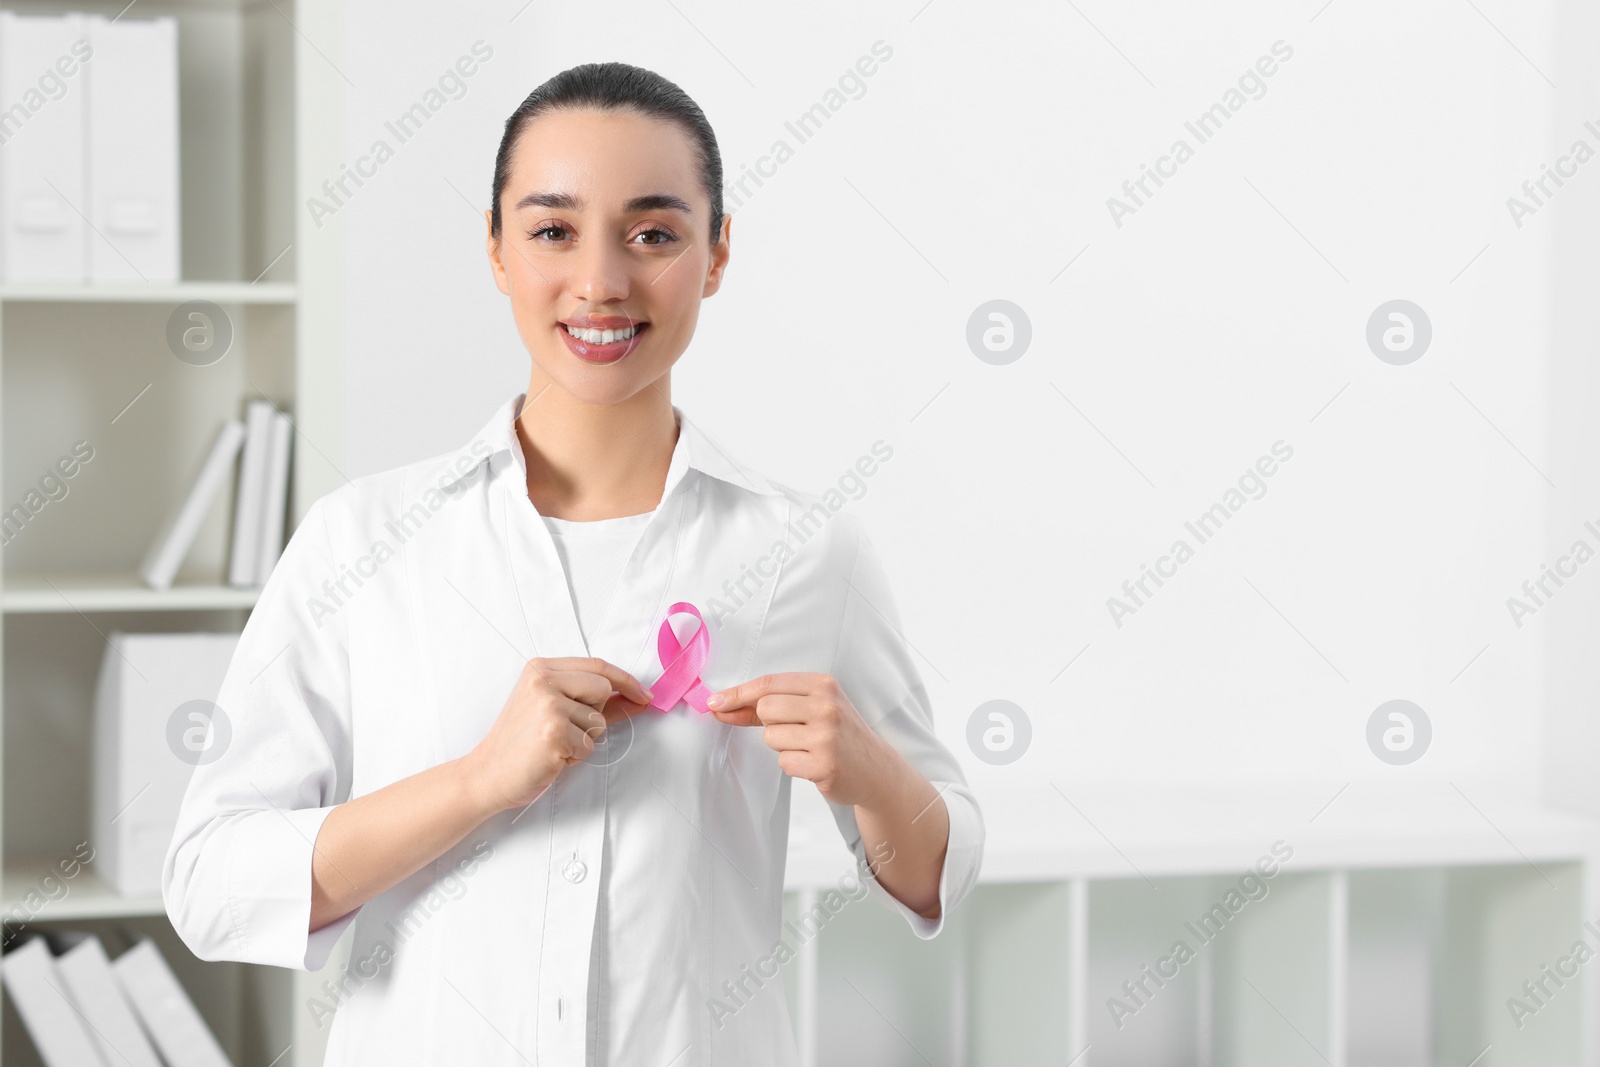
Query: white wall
x,y
1227,314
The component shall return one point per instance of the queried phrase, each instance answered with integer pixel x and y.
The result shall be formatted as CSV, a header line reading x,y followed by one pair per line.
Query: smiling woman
x,y
607,258
485,694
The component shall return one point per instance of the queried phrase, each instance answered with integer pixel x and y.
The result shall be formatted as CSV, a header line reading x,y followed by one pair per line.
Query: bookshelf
x,y
258,122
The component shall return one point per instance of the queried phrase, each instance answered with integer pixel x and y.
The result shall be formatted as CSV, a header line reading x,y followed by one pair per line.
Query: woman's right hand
x,y
555,711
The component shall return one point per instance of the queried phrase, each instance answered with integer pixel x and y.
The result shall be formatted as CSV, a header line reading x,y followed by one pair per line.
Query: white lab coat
x,y
604,923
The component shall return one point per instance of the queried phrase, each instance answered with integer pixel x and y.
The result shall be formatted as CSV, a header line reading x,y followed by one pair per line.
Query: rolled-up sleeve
x,y
236,881
874,666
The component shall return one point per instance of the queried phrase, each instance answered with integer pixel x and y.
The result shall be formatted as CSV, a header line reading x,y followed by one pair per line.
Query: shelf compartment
x,y
83,896
104,375
247,1007
1394,931
1148,1005
887,997
1501,927
1436,955
52,666
1024,946
236,136
1279,976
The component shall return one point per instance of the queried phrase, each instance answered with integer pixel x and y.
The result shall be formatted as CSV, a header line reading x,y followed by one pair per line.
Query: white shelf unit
x,y
258,124
1393,936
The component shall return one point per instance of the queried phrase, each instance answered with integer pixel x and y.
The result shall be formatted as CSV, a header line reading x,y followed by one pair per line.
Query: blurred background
x,y
1238,365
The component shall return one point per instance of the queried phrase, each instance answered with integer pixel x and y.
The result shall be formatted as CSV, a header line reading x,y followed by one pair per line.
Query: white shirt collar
x,y
694,449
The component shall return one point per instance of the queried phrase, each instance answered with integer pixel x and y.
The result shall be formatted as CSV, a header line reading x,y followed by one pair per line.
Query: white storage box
x,y
153,711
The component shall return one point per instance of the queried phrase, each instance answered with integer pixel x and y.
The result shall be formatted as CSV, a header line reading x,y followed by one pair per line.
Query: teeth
x,y
602,337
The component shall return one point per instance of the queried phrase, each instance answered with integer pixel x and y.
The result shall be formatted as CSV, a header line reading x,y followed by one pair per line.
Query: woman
x,y
444,685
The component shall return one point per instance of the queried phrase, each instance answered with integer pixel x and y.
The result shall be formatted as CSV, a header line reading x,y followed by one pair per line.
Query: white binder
x,y
46,1008
132,136
277,496
166,1010
250,496
86,973
42,130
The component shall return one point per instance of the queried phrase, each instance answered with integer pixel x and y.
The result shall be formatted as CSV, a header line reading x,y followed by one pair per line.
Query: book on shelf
x,y
82,1009
161,563
257,450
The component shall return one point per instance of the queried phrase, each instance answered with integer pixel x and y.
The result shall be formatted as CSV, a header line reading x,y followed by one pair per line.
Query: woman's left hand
x,y
815,729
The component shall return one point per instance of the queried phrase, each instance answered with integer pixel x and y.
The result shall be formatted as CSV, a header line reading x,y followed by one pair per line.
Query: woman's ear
x,y
495,266
719,259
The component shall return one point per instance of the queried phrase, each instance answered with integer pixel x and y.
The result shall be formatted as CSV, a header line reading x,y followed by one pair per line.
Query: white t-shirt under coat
x,y
593,554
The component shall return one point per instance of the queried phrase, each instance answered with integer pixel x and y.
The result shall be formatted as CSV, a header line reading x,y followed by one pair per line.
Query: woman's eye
x,y
560,231
664,236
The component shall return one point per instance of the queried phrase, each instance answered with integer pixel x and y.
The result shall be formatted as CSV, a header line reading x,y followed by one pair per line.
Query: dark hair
x,y
611,86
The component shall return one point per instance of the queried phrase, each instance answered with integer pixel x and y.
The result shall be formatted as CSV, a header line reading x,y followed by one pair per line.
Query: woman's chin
x,y
603,386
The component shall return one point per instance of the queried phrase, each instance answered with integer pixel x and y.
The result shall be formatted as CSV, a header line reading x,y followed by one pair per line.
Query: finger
x,y
738,717
579,745
782,707
787,737
797,763
798,683
778,707
585,687
621,707
586,718
620,680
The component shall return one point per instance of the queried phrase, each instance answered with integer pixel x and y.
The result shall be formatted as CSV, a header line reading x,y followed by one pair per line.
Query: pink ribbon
x,y
680,679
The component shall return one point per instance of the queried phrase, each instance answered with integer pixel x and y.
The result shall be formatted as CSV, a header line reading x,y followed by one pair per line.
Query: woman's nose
x,y
601,273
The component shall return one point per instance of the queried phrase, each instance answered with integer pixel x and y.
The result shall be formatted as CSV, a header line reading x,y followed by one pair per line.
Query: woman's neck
x,y
595,461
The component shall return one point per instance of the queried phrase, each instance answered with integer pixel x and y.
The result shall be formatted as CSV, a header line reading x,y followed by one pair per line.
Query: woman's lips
x,y
599,353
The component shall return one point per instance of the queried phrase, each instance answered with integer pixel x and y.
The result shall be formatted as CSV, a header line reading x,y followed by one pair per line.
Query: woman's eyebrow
x,y
569,202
